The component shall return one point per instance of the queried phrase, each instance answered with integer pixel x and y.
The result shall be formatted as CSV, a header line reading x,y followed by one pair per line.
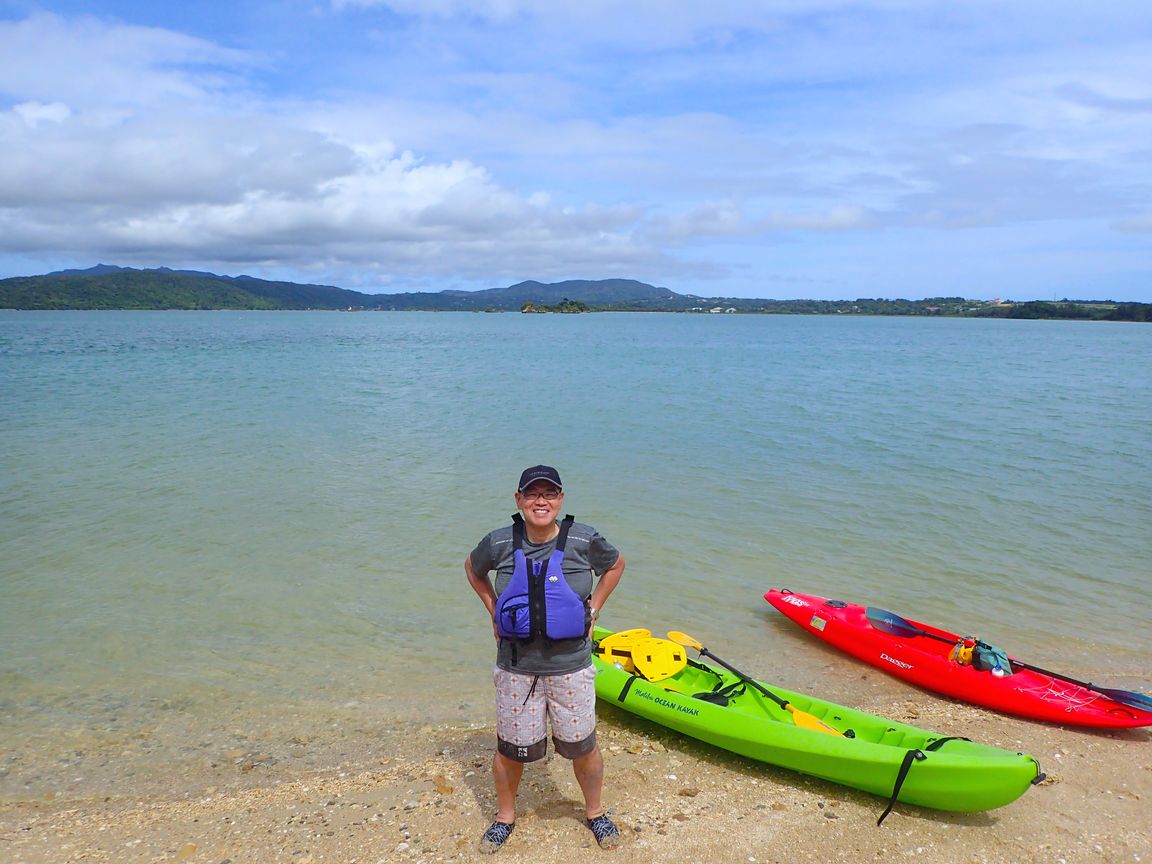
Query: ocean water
x,y
231,543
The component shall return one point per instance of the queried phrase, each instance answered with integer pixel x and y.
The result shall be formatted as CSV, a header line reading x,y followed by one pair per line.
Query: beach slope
x,y
429,797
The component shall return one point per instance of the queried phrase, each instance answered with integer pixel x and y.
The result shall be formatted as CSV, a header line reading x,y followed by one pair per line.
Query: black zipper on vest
x,y
538,615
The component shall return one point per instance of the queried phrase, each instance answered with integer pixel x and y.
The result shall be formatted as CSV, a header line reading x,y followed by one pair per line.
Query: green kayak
x,y
884,757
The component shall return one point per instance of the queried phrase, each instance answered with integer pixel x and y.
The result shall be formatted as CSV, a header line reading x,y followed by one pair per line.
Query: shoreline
x,y
94,744
429,798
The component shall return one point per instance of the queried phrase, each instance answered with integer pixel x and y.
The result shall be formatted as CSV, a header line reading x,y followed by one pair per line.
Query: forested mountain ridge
x,y
110,287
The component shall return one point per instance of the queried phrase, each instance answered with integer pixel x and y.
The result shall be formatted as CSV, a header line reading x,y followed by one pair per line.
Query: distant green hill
x,y
602,293
107,287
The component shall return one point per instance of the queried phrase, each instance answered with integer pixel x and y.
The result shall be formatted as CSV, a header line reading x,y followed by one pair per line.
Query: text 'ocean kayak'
x,y
884,757
927,656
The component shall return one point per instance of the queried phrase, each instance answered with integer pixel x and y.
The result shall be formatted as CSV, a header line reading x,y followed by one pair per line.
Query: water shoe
x,y
496,836
607,835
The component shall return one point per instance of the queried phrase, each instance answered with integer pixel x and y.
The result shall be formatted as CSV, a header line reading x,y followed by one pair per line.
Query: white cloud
x,y
1088,97
1141,224
85,62
35,113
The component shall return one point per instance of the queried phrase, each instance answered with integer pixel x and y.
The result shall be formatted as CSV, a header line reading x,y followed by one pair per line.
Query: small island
x,y
565,306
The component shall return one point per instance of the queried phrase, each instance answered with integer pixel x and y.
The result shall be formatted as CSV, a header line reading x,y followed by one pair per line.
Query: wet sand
x,y
426,796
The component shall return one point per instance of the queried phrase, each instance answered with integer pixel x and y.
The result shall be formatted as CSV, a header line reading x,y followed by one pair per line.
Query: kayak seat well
x,y
817,710
896,737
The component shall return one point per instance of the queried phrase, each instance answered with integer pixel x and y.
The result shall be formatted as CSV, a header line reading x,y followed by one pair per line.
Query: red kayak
x,y
941,661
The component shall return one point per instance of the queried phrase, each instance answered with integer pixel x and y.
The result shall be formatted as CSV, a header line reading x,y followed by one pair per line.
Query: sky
x,y
782,149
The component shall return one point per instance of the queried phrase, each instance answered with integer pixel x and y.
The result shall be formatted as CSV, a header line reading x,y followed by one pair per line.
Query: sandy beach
x,y
428,797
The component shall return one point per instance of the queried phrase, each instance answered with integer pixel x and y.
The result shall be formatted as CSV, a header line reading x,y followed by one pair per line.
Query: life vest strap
x,y
518,532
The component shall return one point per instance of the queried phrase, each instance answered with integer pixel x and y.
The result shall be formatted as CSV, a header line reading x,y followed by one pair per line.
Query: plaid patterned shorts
x,y
526,703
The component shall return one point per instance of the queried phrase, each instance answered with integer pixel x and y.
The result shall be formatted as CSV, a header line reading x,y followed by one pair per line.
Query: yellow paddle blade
x,y
617,648
684,639
657,659
810,721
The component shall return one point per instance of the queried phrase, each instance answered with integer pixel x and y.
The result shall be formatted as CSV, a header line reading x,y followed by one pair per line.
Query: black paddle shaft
x,y
890,622
746,679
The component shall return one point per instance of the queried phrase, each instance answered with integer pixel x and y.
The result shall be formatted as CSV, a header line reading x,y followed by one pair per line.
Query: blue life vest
x,y
540,605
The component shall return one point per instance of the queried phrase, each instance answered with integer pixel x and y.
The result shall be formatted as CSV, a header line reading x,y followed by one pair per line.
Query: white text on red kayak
x,y
896,662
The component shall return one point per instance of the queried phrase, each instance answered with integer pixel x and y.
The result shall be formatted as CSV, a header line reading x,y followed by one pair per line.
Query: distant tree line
x,y
1088,310
863,306
1070,309
111,287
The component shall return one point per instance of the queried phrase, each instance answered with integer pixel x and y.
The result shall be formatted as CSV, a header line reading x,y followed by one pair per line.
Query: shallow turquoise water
x,y
220,525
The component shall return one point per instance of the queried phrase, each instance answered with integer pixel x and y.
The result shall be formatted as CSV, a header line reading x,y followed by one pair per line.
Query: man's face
x,y
540,503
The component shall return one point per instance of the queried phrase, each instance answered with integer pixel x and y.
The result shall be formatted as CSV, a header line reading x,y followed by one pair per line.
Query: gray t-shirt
x,y
585,553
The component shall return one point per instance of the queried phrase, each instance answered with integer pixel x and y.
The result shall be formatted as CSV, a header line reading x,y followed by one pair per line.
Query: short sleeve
x,y
601,554
481,556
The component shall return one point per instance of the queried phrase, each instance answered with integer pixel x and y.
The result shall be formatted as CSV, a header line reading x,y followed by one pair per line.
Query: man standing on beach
x,y
543,606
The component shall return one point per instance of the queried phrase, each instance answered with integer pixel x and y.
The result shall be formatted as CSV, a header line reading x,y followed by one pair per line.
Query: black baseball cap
x,y
539,472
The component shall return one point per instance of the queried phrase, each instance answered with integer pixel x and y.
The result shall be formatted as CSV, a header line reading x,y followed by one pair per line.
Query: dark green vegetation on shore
x,y
564,306
109,287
